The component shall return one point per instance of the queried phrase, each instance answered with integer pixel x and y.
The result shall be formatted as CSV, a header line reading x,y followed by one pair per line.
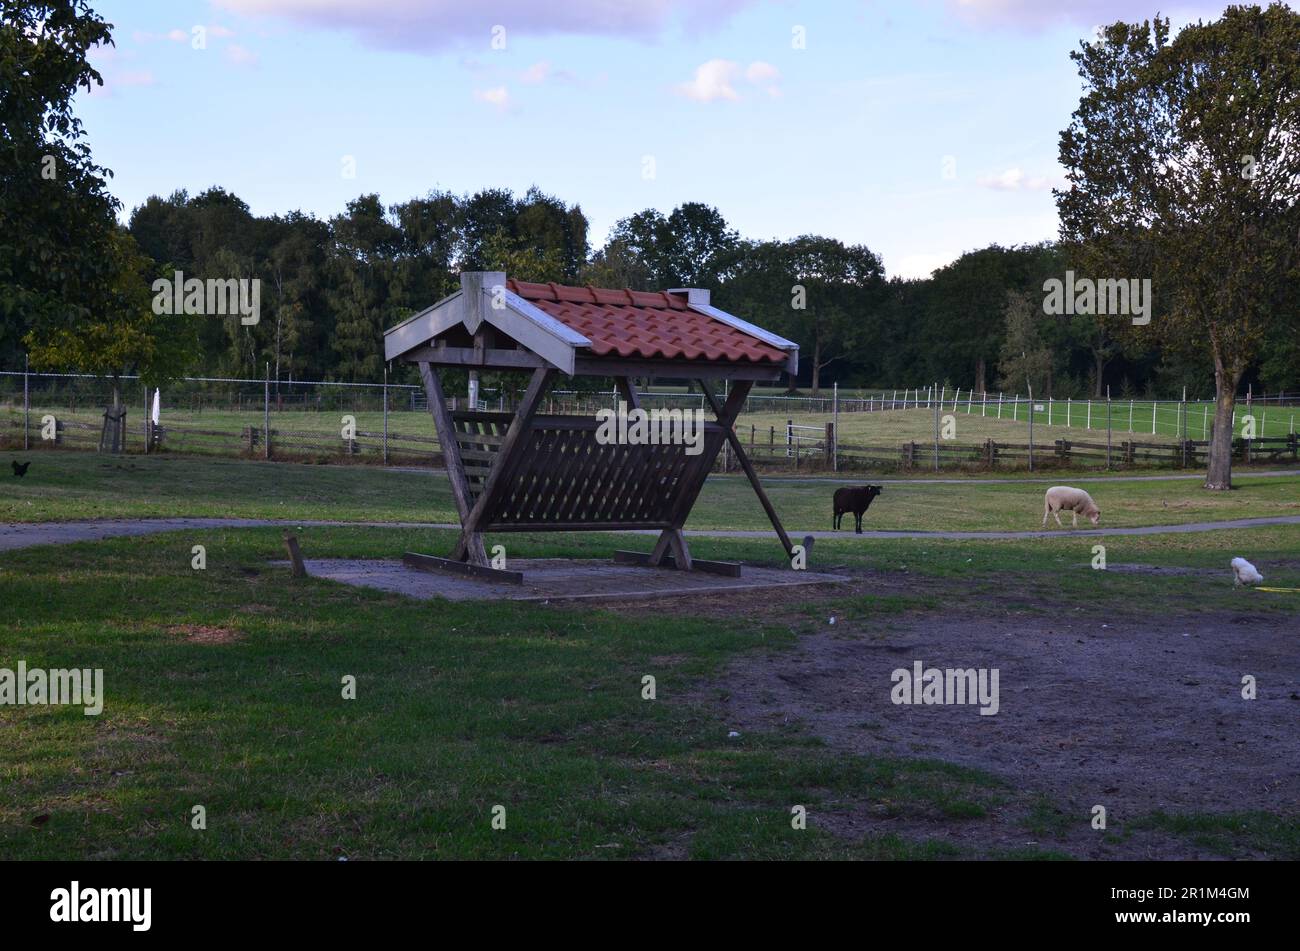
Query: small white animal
x,y
1076,501
1243,572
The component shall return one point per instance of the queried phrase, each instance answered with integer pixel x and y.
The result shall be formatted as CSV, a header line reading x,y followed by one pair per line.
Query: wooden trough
x,y
528,472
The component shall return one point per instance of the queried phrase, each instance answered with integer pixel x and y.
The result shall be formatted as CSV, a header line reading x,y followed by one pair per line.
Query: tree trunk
x,y
980,373
1219,474
1100,362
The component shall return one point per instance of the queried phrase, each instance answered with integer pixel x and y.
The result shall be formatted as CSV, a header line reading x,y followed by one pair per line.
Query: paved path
x,y
27,535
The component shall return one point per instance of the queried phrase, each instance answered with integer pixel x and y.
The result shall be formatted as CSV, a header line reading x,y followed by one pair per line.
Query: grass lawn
x,y
224,690
69,485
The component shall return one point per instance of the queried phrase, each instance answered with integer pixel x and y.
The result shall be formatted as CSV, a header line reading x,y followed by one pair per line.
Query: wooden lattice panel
x,y
564,480
479,436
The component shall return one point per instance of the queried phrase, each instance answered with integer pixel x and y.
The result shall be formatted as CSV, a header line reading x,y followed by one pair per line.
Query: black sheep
x,y
856,500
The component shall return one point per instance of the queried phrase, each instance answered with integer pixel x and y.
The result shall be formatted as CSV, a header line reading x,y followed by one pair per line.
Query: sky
x,y
921,129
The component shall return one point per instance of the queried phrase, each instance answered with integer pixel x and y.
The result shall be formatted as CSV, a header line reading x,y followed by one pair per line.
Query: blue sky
x,y
921,129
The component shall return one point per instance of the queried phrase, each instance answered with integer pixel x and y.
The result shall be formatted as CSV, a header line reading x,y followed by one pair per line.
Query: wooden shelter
x,y
528,472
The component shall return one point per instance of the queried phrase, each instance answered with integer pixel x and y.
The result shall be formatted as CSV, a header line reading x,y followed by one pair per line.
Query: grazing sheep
x,y
1243,572
1076,501
856,500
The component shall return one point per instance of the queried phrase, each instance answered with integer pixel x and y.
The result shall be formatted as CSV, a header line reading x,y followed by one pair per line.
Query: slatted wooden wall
x,y
564,480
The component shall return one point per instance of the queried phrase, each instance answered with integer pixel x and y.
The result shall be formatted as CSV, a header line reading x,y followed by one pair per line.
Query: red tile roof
x,y
645,324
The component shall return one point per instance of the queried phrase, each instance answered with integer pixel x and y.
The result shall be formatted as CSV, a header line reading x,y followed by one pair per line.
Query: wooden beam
x,y
515,442
744,460
434,563
730,569
469,357
628,392
460,490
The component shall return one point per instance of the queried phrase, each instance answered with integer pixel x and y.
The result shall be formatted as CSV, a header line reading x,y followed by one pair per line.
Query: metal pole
x,y
27,406
1031,429
835,427
1108,427
936,436
266,413
385,414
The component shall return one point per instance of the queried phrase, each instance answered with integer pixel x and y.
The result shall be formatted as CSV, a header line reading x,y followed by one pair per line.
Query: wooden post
x,y
295,556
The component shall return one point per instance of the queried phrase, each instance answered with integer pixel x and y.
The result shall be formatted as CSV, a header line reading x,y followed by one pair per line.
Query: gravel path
x,y
14,535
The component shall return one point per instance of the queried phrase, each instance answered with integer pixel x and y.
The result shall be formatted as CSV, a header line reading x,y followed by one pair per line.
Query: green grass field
x,y
226,692
190,431
69,485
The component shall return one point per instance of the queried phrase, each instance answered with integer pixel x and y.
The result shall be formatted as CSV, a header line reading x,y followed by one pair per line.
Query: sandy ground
x,y
556,579
1135,713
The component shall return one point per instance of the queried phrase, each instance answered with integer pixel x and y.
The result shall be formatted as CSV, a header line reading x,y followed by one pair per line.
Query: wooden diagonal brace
x,y
471,543
728,420
515,443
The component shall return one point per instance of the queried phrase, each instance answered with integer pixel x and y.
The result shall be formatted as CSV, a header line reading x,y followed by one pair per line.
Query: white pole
x,y
1130,417
1155,409
1089,413
835,427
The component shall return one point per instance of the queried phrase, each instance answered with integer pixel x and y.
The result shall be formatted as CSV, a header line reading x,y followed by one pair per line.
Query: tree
x,y
814,290
124,335
1183,158
56,215
1025,359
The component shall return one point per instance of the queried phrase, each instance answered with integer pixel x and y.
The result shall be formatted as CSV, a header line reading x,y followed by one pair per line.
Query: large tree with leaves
x,y
56,215
1183,162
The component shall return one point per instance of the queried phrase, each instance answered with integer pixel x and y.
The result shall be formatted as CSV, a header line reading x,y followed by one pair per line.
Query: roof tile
x,y
645,324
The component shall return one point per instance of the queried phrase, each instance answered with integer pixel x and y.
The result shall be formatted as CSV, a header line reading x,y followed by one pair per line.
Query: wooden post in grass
x,y
297,566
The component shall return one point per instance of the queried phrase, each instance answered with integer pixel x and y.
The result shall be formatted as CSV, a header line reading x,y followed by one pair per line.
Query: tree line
x,y
1183,169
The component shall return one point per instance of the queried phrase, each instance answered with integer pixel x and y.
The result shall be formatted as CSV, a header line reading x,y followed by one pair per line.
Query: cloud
x,y
115,79
241,56
438,24
497,96
1035,16
1015,180
543,71
713,80
716,80
764,74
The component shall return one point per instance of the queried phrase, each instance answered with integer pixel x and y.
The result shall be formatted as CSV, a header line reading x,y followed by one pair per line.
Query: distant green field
x,y
75,485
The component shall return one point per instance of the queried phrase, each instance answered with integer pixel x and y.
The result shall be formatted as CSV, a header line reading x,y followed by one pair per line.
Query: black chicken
x,y
20,469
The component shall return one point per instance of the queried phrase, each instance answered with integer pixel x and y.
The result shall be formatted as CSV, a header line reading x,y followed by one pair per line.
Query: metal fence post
x,y
266,413
835,427
936,436
385,414
27,406
1108,427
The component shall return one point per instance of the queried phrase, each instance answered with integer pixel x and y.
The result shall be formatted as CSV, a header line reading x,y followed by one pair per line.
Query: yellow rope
x,y
1281,590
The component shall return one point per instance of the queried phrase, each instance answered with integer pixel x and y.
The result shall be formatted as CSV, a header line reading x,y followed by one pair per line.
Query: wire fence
x,y
922,427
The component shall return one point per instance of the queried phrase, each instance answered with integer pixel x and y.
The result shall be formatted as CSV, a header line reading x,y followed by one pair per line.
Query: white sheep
x,y
1243,572
1076,501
